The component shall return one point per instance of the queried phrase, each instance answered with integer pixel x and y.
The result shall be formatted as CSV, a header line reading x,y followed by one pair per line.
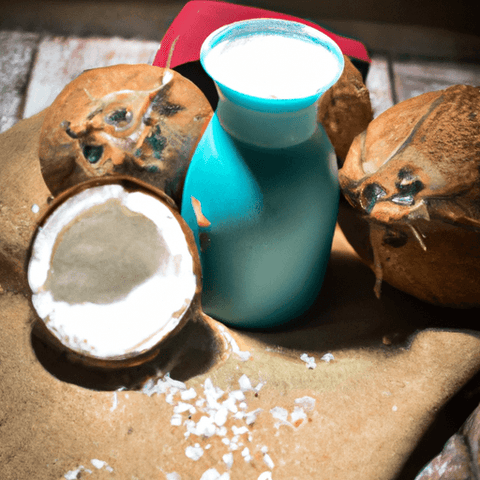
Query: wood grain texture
x,y
413,78
379,85
60,60
16,53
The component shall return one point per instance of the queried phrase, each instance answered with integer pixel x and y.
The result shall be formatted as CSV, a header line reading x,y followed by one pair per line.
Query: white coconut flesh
x,y
111,272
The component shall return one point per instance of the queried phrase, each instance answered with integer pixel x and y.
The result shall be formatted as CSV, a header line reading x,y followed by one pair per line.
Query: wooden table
x,y
35,67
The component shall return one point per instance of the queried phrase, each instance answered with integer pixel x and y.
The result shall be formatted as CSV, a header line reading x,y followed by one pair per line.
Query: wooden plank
x,y
16,53
60,60
413,78
379,85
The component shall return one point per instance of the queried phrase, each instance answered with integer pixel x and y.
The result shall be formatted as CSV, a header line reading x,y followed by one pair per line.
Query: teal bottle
x,y
261,194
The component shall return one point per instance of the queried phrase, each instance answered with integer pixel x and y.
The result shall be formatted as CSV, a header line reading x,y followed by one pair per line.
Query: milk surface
x,y
271,66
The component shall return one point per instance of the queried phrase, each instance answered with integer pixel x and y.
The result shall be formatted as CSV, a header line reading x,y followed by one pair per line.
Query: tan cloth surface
x,y
396,363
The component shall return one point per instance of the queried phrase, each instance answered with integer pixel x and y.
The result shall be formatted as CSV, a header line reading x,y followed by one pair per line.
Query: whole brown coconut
x,y
345,110
413,178
135,120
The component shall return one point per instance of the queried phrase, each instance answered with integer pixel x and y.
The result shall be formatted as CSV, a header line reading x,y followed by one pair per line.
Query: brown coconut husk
x,y
413,179
136,120
345,109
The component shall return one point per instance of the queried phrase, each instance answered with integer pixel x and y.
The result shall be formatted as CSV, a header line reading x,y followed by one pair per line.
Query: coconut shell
x,y
130,184
345,110
135,120
413,179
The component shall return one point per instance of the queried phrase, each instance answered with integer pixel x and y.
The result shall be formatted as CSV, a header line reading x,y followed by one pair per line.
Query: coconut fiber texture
x,y
413,180
381,409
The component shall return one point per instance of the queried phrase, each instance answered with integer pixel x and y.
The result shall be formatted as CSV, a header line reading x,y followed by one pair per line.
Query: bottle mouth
x,y
271,65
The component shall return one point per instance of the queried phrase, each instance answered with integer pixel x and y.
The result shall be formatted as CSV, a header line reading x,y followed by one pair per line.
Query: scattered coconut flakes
x,y
204,427
234,445
268,461
189,394
220,417
228,459
246,454
298,414
239,415
189,426
237,395
245,383
183,407
195,452
328,357
265,476
310,361
176,420
239,430
99,464
251,417
151,387
212,474
259,386
174,383
307,403
73,474
280,414
173,476
244,356
212,394
230,404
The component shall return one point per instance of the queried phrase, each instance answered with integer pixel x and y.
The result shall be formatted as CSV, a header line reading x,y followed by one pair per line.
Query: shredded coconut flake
x,y
189,394
298,415
246,454
244,356
173,476
268,461
239,430
265,476
245,384
251,417
176,420
328,357
310,361
228,459
212,474
307,403
195,452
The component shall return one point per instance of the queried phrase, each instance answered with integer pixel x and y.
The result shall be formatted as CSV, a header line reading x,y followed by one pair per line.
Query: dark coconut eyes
x,y
92,153
120,119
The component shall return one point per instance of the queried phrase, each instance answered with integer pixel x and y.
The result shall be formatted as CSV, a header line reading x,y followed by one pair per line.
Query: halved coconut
x,y
113,270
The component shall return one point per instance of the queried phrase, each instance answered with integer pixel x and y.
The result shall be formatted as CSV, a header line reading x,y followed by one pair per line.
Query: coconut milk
x,y
272,66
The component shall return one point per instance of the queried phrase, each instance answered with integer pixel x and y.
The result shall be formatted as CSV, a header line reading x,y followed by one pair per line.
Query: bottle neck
x,y
267,129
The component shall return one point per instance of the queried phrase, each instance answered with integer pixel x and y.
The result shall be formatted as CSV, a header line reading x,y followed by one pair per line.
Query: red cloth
x,y
199,18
